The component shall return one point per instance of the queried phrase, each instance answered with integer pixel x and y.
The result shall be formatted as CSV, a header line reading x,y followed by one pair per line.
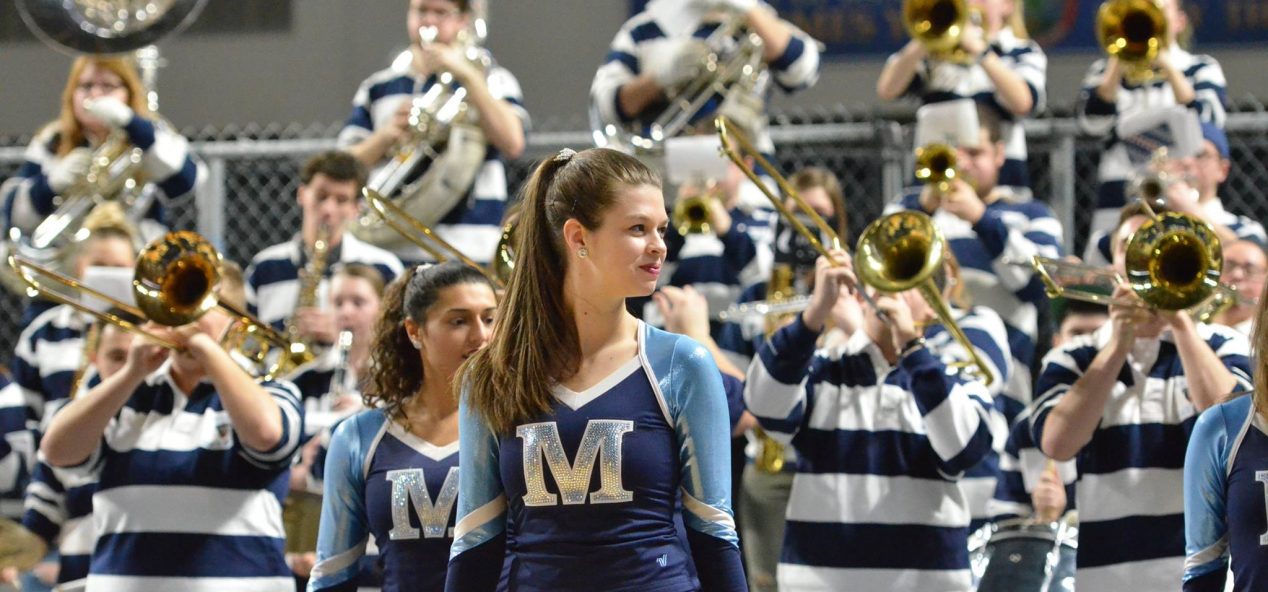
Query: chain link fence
x,y
248,200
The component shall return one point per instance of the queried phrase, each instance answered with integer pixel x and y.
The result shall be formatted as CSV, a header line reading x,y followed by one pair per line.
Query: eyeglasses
x,y
104,87
1249,269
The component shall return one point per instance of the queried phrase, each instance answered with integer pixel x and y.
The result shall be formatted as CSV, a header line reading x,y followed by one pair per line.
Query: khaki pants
x,y
763,502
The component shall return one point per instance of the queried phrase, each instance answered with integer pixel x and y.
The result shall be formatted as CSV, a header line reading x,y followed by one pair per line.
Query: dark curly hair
x,y
396,372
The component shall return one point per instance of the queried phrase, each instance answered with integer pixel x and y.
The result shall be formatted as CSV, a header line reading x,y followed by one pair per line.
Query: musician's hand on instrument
x,y
1183,198
930,199
110,111
974,40
674,63
738,6
847,315
392,132
317,324
1125,320
719,218
1162,62
962,202
685,311
902,326
830,281
438,57
69,169
144,356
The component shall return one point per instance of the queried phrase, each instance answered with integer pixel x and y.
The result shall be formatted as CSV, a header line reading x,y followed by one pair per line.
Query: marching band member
x,y
59,504
328,197
1030,484
1124,401
50,348
1245,267
986,229
1186,79
1225,469
570,374
380,120
883,432
191,456
1008,72
102,95
392,471
654,54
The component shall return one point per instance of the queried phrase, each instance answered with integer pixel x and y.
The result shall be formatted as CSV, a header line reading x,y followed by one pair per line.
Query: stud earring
x,y
583,252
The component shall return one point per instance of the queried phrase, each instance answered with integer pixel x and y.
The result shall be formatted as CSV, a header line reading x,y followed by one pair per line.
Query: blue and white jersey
x,y
1021,465
588,496
315,382
650,39
1225,495
994,257
273,277
988,336
1130,489
59,510
181,503
384,481
875,503
474,225
1099,118
1245,227
167,163
939,81
17,448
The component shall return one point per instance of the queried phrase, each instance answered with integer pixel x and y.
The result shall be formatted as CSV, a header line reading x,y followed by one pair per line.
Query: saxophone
x,y
301,349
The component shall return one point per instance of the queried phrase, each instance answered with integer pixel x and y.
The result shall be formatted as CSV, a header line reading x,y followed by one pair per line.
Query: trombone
x,y
174,282
896,253
1173,262
439,249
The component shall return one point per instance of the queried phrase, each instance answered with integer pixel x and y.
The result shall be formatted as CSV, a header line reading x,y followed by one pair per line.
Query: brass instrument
x,y
1134,31
113,175
309,281
419,234
1173,262
733,74
939,25
691,214
106,26
936,165
504,255
1224,298
431,167
902,251
175,283
898,252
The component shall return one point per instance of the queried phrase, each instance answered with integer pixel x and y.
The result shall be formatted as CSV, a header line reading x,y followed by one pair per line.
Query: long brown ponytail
x,y
535,343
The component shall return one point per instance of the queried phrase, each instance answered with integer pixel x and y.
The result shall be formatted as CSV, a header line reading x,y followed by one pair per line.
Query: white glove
x,y
109,111
69,169
673,62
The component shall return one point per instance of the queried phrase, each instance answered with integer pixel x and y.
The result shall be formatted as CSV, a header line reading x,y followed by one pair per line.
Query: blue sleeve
x,y
699,409
344,530
292,418
734,398
955,413
1205,495
479,545
738,250
773,391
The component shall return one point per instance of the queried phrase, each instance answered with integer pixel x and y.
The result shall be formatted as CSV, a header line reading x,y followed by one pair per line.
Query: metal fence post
x,y
1063,179
210,200
894,154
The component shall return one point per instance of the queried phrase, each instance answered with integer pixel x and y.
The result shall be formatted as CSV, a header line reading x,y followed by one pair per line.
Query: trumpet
x,y
691,214
1134,31
1173,262
936,165
939,25
414,231
898,252
174,283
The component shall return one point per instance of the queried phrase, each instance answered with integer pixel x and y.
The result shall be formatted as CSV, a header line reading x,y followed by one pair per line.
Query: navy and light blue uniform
x,y
1225,496
994,257
1099,118
643,42
273,277
59,510
167,162
474,225
587,496
181,503
939,81
1020,467
875,503
1130,488
384,481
